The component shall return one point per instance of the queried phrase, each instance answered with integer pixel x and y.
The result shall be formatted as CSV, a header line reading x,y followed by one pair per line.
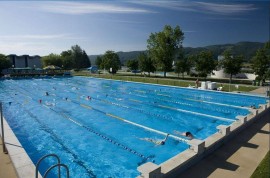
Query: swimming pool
x,y
102,135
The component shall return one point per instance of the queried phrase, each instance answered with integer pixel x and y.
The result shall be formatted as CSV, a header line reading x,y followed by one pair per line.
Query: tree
x,y
67,61
183,64
163,46
232,65
260,64
4,62
205,63
111,60
133,64
99,62
146,64
80,58
52,59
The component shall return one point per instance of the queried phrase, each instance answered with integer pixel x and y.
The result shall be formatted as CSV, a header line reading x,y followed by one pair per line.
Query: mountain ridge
x,y
246,48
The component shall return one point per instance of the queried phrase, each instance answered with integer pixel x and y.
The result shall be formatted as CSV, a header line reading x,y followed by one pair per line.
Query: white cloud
x,y
226,8
201,7
34,44
86,8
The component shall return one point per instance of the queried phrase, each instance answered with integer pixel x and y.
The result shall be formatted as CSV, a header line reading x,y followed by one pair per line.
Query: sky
x,y
44,27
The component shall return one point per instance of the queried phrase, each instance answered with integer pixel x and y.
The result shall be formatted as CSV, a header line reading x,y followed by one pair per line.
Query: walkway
x,y
237,158
6,167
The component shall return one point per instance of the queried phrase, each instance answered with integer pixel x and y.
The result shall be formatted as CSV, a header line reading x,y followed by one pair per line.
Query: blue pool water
x,y
103,136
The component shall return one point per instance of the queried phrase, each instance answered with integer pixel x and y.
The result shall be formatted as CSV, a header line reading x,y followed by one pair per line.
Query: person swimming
x,y
157,142
186,134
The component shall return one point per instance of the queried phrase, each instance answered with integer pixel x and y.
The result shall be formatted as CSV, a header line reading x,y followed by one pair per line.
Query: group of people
x,y
162,142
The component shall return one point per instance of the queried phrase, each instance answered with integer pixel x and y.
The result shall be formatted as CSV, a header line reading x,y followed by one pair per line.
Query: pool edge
x,y
23,165
186,159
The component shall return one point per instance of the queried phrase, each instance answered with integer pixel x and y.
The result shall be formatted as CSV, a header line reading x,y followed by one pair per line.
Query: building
x,y
25,61
219,73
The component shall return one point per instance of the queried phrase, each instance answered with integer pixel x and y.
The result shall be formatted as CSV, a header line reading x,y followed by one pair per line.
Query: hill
x,y
247,49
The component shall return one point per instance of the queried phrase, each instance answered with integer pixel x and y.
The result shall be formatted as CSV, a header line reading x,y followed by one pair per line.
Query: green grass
x,y
263,170
163,81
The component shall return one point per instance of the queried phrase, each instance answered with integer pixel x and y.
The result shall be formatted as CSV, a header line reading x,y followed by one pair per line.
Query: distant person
x,y
40,101
88,97
197,83
9,103
186,134
47,94
157,142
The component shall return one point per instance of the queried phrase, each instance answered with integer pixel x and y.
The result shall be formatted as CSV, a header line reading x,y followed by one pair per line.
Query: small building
x,y
25,61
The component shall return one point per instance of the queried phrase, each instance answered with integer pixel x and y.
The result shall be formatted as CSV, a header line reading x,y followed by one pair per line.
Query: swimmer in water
x,y
157,142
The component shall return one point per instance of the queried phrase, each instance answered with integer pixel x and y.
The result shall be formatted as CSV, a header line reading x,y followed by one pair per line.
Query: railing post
x,y
2,129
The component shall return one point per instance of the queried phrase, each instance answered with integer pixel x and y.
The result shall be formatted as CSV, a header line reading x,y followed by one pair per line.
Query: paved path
x,y
6,167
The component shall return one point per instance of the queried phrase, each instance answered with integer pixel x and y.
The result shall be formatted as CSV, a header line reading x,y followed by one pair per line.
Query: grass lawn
x,y
163,81
263,170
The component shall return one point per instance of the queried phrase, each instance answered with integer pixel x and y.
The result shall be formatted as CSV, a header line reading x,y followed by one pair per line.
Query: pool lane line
x,y
209,102
135,100
54,137
145,158
140,91
197,113
221,104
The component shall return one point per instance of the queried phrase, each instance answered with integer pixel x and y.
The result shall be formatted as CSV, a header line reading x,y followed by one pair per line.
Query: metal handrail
x,y
2,129
59,165
39,161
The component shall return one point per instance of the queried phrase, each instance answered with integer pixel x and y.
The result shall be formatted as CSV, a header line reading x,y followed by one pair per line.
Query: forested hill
x,y
247,49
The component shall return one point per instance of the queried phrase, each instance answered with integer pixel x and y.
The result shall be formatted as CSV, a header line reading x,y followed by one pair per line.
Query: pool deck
x,y
237,158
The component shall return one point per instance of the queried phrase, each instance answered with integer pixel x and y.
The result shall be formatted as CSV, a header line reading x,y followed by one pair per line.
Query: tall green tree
x,y
231,64
80,58
205,63
111,61
4,62
260,64
52,59
163,46
183,64
67,60
146,64
133,64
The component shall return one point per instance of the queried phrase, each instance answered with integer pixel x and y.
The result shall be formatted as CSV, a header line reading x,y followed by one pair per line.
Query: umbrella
x,y
52,67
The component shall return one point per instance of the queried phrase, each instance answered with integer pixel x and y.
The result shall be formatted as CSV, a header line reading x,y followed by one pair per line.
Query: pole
x,y
2,129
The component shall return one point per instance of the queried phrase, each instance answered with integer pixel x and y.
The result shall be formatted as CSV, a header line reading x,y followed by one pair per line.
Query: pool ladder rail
x,y
59,165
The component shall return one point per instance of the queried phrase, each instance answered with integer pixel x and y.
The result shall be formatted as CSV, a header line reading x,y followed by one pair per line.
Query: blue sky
x,y
44,27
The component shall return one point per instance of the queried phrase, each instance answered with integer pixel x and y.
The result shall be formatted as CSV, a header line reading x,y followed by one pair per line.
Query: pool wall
x,y
201,148
21,161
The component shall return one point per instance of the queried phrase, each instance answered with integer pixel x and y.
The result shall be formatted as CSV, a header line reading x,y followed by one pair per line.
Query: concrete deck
x,y
6,167
237,158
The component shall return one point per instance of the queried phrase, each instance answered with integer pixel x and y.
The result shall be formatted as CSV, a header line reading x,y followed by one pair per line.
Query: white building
x,y
221,74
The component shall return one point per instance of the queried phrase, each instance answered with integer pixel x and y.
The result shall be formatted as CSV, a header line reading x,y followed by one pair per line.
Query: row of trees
x,y
75,58
165,47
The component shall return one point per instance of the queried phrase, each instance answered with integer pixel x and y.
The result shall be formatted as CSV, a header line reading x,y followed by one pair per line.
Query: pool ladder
x,y
59,165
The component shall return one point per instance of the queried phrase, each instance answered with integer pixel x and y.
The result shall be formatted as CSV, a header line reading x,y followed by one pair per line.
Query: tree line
x,y
164,53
